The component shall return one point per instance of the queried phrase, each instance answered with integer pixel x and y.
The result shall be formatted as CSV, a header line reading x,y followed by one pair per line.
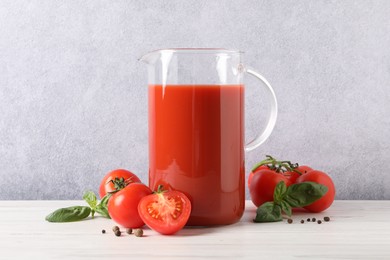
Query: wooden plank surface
x,y
357,230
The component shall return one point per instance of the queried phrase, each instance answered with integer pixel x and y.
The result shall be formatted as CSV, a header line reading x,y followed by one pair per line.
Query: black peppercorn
x,y
326,219
118,233
115,228
103,231
313,219
290,221
138,232
308,220
319,221
302,221
129,231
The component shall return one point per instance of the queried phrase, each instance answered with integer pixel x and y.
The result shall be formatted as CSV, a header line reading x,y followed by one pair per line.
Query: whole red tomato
x,y
165,212
106,184
263,184
324,179
123,205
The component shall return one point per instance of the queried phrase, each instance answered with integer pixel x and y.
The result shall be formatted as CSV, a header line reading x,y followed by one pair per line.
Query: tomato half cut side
x,y
165,212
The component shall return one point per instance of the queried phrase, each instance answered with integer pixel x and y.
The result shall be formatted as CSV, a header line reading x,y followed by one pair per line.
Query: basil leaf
x,y
106,198
304,194
102,211
69,214
280,192
286,208
90,198
101,208
268,212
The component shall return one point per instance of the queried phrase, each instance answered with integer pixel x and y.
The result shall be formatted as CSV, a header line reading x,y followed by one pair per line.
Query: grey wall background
x,y
73,102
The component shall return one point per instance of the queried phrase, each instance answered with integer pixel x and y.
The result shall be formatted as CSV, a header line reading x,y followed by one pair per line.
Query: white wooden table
x,y
357,230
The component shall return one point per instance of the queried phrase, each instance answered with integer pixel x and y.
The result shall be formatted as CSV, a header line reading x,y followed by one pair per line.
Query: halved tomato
x,y
165,211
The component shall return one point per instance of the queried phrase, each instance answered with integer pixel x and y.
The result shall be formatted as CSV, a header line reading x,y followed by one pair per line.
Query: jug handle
x,y
260,138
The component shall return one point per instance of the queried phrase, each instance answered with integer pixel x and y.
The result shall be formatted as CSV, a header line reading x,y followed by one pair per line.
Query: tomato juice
x,y
196,146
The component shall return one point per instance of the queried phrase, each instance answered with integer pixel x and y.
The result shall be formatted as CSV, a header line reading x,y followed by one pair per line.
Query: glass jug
x,y
196,129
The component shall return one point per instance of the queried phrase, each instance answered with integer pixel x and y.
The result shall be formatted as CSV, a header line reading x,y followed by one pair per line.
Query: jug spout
x,y
150,58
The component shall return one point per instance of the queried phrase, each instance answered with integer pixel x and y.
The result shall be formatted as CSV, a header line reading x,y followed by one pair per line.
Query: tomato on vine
x,y
268,173
123,177
265,176
263,185
324,179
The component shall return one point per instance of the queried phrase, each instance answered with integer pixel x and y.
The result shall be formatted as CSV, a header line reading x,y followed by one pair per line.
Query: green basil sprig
x,y
286,198
77,213
90,198
102,208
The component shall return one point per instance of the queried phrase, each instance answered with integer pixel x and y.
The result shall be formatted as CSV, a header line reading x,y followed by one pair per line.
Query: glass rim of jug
x,y
199,50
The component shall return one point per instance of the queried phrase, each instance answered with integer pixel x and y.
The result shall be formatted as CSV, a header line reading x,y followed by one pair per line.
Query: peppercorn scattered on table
x,y
354,230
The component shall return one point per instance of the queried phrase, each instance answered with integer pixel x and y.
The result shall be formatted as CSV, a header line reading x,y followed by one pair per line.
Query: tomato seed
x,y
313,219
302,221
138,232
290,221
319,221
326,219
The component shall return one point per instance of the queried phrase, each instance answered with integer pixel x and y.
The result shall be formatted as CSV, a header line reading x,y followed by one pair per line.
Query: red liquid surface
x,y
196,146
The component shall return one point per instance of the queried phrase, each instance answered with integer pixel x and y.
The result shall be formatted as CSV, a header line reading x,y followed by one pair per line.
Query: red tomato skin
x,y
324,179
263,184
107,186
304,169
167,225
123,205
293,176
263,167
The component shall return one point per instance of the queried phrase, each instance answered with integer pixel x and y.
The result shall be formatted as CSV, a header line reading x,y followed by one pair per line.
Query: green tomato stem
x,y
278,166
